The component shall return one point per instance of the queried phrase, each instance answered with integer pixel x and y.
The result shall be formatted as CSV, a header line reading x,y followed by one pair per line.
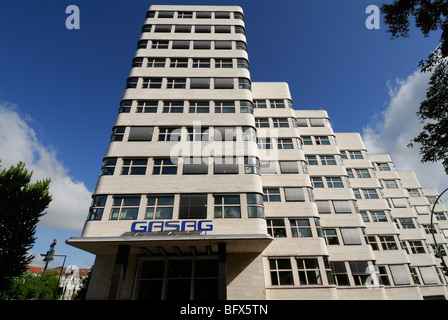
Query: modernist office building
x,y
215,187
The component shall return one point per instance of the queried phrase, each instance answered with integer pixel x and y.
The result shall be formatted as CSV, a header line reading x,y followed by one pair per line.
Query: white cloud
x,y
18,142
398,124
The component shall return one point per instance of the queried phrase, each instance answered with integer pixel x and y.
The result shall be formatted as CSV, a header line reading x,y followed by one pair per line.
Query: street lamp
x,y
437,250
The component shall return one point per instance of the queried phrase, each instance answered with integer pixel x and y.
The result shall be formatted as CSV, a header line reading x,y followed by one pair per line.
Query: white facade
x,y
214,187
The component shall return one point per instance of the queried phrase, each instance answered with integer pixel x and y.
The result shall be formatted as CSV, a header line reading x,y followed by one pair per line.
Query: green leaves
x,y
22,203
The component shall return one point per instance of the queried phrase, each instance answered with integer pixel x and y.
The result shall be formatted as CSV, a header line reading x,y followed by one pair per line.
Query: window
x,y
322,140
428,275
173,107
323,206
223,45
262,122
307,140
202,45
162,28
294,194
149,106
355,155
177,83
339,272
244,84
227,206
289,167
140,134
334,182
276,228
281,271
178,63
390,184
200,83
416,246
199,107
370,194
255,207
137,62
142,44
166,14
413,193
243,63
225,134
159,44
224,107
224,83
134,166
285,144
317,122
300,228
203,15
268,167
383,167
185,15
312,160
317,182
327,160
280,122
399,275
260,104
222,29
238,15
201,63
152,83
223,63
164,166
195,166
309,272
108,168
251,165
388,242
160,207
422,209
198,134
222,15
97,207
360,272
240,45
246,107
407,223
131,83
118,134
350,236
193,206
169,134
331,236
362,173
277,103
181,44
225,165
125,106
156,63
378,216
341,206
182,28
399,202
125,208
240,30
203,29
271,194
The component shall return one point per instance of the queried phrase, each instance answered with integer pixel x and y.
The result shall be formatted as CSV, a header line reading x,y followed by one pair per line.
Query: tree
x,y
21,205
24,287
433,112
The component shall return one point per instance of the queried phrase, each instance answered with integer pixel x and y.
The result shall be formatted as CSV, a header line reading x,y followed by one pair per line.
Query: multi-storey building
x,y
215,187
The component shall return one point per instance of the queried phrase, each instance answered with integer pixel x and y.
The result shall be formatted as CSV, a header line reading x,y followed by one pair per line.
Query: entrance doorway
x,y
178,279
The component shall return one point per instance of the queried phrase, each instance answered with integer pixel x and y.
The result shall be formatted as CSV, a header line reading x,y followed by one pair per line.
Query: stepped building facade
x,y
216,187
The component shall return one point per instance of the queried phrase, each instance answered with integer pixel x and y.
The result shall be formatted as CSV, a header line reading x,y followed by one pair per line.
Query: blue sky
x,y
60,89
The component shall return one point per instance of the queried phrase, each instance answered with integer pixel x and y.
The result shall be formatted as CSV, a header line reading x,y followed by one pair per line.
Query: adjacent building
x,y
217,187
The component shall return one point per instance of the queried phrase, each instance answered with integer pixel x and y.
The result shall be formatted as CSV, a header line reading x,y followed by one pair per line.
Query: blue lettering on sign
x,y
186,225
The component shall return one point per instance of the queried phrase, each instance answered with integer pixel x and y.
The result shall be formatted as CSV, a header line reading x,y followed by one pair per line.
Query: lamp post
x,y
438,254
48,257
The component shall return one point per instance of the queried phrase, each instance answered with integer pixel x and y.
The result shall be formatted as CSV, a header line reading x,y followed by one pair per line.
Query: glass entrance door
x,y
178,279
